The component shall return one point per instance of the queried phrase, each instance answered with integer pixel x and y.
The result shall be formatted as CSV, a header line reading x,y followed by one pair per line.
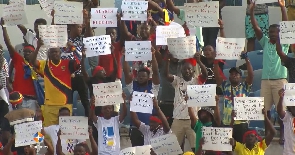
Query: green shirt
x,y
272,66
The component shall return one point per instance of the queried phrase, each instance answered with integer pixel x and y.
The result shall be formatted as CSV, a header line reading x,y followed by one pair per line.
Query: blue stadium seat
x,y
229,64
257,80
226,73
256,59
6,55
291,55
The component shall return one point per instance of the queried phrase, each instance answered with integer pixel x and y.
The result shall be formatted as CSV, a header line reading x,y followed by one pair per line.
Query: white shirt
x,y
180,110
108,136
4,73
67,145
289,135
148,134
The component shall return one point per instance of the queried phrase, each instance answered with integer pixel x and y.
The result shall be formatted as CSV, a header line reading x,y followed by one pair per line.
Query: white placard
x,y
264,1
289,97
4,96
108,93
164,32
68,12
249,108
103,17
182,48
217,139
53,36
287,32
97,45
17,1
138,51
229,48
142,150
289,86
134,10
47,6
24,133
201,95
73,127
166,145
202,14
14,14
141,102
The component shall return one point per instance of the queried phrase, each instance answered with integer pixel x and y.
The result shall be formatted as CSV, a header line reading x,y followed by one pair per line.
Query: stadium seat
x,y
256,59
229,64
257,80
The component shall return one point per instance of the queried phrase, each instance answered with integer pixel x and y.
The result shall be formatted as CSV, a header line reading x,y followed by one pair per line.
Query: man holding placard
x,y
274,75
181,125
234,88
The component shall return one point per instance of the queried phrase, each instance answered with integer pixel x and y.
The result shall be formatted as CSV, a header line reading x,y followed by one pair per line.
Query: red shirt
x,y
20,84
107,61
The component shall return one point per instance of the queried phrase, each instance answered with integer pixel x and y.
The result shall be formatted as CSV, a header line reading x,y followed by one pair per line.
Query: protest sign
x,y
73,127
249,108
17,1
201,95
217,139
229,48
166,145
134,10
47,6
264,1
142,150
53,36
182,48
24,133
108,93
287,32
289,97
202,14
138,51
68,12
164,32
141,102
14,14
97,45
103,17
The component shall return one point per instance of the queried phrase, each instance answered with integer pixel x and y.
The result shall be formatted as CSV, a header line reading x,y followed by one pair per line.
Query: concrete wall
x,y
233,17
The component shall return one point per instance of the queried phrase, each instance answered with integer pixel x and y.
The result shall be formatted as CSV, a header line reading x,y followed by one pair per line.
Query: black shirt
x,y
211,77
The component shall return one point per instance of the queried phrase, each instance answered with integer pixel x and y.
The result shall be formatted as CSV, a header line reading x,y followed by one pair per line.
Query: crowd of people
x,y
64,71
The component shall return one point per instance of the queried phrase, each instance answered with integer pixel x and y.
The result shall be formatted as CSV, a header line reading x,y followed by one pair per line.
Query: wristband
x,y
244,55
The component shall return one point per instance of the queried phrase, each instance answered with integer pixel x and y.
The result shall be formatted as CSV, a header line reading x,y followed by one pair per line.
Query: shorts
x,y
50,113
263,23
269,90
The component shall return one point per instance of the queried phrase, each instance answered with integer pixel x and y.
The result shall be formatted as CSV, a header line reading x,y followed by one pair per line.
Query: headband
x,y
29,48
96,69
155,119
17,101
252,132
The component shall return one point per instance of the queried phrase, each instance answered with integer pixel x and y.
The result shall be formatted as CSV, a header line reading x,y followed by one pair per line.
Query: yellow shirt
x,y
241,149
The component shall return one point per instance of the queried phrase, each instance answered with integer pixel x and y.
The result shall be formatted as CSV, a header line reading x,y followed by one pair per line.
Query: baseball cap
x,y
236,69
189,153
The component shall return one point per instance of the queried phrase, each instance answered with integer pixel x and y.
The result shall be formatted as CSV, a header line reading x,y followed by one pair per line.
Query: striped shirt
x,y
4,73
148,134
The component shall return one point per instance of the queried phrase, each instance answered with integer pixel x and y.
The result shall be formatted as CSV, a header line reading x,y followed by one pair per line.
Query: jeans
x,y
29,104
210,35
78,84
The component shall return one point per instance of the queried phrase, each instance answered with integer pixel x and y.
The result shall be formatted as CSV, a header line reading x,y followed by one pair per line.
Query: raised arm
x,y
8,146
33,55
192,116
123,113
50,149
172,7
272,131
217,76
169,77
136,122
115,64
88,29
93,144
250,76
52,15
282,55
161,116
92,110
23,29
280,109
217,112
7,40
156,7
204,72
221,28
83,68
283,10
155,69
124,31
126,70
258,31
58,145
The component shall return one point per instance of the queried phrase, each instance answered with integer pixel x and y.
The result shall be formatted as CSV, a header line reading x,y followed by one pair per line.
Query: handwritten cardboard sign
x,y
68,12
141,102
182,48
53,35
202,14
138,51
142,150
73,127
24,133
47,6
217,139
289,97
249,108
287,32
134,10
108,93
97,45
166,145
17,1
14,14
201,95
103,17
264,1
164,32
229,48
